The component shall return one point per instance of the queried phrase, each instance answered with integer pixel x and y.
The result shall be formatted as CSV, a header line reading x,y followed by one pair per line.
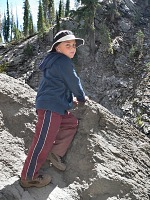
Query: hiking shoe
x,y
56,161
40,181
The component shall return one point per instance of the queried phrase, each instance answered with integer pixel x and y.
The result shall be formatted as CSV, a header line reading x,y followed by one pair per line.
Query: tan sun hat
x,y
65,35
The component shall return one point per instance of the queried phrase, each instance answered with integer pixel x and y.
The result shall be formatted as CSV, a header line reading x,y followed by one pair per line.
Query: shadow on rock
x,y
108,159
15,192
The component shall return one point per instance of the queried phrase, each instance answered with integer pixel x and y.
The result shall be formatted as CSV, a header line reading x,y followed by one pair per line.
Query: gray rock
x,y
124,25
113,76
108,159
122,65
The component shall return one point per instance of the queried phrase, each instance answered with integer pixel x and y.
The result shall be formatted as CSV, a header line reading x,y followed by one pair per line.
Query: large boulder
x,y
108,159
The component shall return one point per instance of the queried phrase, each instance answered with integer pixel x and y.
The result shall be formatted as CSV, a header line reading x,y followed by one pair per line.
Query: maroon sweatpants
x,y
54,133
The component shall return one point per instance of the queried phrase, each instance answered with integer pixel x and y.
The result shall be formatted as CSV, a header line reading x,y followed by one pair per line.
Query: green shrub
x,y
139,39
148,64
106,38
139,121
137,48
3,67
28,50
132,52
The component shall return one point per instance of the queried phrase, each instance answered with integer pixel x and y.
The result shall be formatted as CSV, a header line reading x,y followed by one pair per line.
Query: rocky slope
x,y
108,159
116,76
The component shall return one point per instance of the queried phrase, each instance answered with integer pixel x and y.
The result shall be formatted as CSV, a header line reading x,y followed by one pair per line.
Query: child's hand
x,y
81,103
75,101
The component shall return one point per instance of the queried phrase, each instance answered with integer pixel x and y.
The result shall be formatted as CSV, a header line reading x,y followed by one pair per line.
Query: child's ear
x,y
58,50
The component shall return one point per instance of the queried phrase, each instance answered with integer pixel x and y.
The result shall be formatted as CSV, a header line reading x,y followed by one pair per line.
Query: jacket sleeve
x,y
71,79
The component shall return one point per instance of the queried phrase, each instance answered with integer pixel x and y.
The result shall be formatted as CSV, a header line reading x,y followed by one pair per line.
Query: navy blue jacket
x,y
58,85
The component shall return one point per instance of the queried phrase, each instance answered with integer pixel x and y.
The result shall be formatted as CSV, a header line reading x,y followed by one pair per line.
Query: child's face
x,y
67,47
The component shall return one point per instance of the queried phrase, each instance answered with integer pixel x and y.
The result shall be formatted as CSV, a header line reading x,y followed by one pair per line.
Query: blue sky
x,y
18,5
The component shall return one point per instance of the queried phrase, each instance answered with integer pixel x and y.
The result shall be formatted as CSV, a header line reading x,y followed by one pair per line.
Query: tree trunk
x,y
91,29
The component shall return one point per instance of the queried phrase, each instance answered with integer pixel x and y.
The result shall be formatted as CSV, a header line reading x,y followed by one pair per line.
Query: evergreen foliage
x,y
6,24
49,11
16,32
5,28
31,27
105,38
45,4
136,50
87,12
26,18
0,28
53,18
48,16
3,67
17,21
41,27
63,10
60,14
28,50
67,8
57,21
11,25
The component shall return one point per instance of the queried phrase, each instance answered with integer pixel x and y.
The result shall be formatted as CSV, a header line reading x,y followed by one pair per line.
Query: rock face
x,y
108,159
116,76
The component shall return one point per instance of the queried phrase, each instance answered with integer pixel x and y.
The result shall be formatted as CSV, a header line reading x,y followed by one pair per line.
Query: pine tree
x,y
61,12
0,28
11,25
26,18
57,21
17,21
6,24
5,28
8,21
0,37
63,9
41,27
16,32
31,27
49,11
52,20
67,8
89,10
45,4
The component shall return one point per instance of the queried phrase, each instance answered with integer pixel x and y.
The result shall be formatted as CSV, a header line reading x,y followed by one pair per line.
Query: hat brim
x,y
79,41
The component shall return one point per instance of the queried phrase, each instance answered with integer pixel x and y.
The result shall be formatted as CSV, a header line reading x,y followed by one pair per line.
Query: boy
x,y
56,126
